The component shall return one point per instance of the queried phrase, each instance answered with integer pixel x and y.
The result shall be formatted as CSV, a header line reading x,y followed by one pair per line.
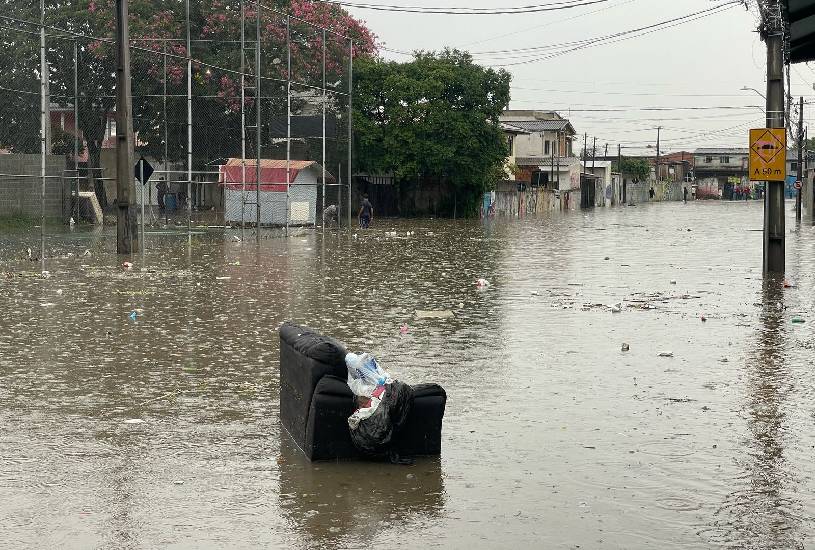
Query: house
x,y
279,195
541,148
676,166
546,133
719,170
511,134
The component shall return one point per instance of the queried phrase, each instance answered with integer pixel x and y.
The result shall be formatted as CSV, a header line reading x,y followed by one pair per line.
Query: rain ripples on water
x,y
140,408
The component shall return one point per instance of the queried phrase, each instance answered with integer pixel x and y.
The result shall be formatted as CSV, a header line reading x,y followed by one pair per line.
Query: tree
x,y
637,169
432,119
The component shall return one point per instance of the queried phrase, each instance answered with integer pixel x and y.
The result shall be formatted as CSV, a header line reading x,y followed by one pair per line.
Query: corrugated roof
x,y
541,125
274,163
722,150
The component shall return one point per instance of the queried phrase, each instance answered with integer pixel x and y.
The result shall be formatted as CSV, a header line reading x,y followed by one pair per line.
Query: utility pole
x,y
774,227
593,155
585,151
659,129
620,169
127,238
800,178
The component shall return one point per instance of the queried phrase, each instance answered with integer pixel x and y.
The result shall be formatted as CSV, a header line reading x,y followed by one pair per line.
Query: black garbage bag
x,y
375,434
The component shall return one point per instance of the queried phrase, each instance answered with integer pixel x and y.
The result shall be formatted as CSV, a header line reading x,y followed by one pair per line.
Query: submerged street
x,y
164,431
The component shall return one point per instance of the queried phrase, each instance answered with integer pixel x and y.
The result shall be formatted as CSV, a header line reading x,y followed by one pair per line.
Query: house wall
x,y
737,163
534,145
21,196
302,203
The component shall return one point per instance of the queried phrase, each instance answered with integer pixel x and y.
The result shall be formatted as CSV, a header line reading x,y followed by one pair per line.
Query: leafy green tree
x,y
432,119
636,169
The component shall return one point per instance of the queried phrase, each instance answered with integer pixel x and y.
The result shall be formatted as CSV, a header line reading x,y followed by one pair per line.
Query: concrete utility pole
x,y
659,129
585,151
127,238
620,169
800,178
774,227
593,155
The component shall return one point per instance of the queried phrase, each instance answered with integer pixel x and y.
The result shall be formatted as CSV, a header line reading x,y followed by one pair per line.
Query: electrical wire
x,y
568,47
537,8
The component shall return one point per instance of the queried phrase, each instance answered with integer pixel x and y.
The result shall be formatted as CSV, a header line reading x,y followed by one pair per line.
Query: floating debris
x,y
434,314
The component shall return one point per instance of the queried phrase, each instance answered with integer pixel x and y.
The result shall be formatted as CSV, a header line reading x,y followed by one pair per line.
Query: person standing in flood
x,y
162,189
366,213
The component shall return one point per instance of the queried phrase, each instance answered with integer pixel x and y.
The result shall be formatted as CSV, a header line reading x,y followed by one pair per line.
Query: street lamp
x,y
747,89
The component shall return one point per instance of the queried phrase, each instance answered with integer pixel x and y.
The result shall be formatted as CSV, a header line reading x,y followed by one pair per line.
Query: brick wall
x,y
21,195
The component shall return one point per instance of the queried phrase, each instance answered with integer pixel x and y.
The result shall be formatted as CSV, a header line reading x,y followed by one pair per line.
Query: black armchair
x,y
315,401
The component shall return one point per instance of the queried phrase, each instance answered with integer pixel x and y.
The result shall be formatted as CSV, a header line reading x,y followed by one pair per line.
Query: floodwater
x,y
163,432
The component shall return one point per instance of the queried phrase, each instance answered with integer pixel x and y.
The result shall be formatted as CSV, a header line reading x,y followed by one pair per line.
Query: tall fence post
x,y
350,124
44,124
325,99
257,119
75,184
243,119
189,121
288,118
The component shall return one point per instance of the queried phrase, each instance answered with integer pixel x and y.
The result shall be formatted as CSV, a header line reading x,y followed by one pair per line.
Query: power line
x,y
536,8
537,27
565,48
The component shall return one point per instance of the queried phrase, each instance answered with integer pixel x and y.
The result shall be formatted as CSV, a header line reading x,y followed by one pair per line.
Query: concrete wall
x,y
21,196
511,202
663,191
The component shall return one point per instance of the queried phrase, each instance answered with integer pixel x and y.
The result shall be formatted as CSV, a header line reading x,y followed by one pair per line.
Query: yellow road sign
x,y
768,154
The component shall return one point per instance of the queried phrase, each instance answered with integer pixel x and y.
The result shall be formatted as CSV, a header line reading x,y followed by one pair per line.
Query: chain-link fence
x,y
241,109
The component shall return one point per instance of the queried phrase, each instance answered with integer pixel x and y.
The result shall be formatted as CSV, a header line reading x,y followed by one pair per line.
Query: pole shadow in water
x,y
763,512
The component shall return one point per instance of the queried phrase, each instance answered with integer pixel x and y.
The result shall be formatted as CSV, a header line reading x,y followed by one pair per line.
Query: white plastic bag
x,y
365,374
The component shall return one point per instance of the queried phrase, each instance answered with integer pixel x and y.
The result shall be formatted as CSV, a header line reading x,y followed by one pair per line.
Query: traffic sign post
x,y
143,170
768,154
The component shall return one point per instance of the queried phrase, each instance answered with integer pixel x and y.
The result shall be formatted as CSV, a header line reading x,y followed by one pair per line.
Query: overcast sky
x,y
702,63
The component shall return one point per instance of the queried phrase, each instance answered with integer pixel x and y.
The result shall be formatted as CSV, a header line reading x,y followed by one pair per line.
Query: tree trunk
x,y
94,173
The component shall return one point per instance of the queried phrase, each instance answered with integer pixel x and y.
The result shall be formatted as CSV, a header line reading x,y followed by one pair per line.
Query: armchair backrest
x,y
305,357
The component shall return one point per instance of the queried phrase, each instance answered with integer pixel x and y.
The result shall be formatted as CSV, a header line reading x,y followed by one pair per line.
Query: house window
x,y
724,160
546,148
511,143
794,167
708,160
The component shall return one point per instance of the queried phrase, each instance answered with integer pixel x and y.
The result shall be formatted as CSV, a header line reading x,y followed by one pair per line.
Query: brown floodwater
x,y
163,431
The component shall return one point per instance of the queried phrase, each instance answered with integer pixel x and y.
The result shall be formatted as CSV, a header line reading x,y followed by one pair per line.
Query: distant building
x,y
295,201
541,148
511,134
721,164
547,133
719,170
